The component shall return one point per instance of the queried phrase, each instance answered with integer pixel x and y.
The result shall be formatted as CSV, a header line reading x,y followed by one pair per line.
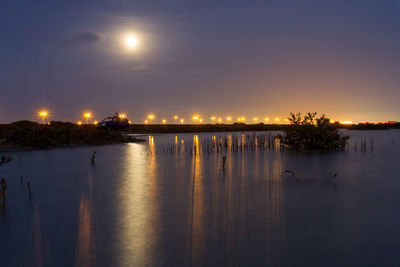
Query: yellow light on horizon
x,y
277,119
164,121
266,119
347,122
87,115
79,123
122,115
43,114
229,118
175,117
219,120
146,122
213,118
195,118
182,120
150,116
255,119
95,122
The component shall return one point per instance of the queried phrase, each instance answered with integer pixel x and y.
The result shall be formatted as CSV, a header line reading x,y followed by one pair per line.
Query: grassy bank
x,y
26,134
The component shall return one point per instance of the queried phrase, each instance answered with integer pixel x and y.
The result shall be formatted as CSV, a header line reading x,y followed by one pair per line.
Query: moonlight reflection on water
x,y
175,202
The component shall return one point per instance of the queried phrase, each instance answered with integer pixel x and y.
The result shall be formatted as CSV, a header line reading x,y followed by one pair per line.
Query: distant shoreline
x,y
237,127
26,135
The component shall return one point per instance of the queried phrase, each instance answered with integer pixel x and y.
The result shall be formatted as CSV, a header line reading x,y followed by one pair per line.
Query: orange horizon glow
x,y
44,114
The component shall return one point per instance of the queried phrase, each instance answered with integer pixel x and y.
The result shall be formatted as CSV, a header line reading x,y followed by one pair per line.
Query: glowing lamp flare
x,y
43,114
87,116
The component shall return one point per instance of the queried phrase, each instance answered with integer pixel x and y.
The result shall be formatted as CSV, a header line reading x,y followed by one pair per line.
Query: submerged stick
x,y
29,189
93,157
3,184
289,171
5,160
334,177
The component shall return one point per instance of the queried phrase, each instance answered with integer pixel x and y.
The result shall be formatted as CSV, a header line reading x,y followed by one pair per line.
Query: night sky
x,y
251,58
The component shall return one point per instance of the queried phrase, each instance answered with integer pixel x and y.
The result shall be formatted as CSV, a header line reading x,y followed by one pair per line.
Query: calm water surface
x,y
169,202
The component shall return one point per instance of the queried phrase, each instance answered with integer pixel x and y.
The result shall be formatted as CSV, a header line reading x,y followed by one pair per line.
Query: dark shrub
x,y
310,132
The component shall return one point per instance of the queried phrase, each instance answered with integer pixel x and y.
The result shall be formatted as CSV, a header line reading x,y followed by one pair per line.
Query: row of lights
x,y
198,119
44,114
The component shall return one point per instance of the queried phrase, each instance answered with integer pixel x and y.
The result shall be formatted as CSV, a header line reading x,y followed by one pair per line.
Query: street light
x,y
87,116
150,117
43,115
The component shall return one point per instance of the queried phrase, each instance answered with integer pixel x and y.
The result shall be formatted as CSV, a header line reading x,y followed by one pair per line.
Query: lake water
x,y
171,201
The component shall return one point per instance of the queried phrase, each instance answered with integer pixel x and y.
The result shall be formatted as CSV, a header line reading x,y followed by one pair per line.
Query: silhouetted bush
x,y
310,132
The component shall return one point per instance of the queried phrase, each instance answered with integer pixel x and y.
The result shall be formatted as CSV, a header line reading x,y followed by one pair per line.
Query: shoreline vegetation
x,y
312,133
31,135
241,127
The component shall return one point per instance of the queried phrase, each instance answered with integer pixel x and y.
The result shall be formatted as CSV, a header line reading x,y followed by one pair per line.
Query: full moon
x,y
131,41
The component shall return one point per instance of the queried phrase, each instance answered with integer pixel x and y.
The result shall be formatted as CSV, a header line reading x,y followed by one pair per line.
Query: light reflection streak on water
x,y
249,211
139,206
86,246
197,229
40,251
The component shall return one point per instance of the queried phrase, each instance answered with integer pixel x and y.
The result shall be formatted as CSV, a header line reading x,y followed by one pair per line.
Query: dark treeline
x,y
371,126
58,134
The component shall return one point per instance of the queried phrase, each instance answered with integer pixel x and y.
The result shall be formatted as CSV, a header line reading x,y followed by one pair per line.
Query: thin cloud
x,y
139,67
88,37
